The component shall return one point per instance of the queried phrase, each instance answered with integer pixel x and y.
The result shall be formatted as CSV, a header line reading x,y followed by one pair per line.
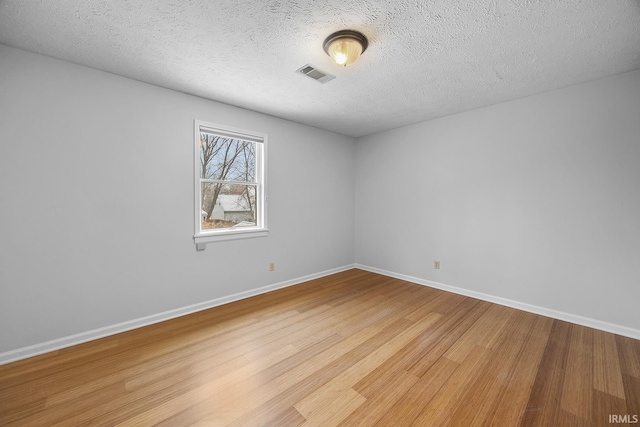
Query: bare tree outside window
x,y
228,181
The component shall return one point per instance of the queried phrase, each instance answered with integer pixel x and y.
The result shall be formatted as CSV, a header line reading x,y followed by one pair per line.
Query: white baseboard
x,y
71,340
567,317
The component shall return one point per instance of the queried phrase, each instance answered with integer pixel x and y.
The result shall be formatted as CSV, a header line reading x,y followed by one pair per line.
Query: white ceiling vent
x,y
315,74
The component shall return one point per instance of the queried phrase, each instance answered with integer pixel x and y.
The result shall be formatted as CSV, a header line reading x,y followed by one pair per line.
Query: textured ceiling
x,y
426,59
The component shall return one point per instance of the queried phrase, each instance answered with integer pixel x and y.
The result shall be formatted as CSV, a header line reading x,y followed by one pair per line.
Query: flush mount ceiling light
x,y
345,47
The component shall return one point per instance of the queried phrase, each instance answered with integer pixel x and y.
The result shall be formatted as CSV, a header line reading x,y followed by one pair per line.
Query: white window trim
x,y
201,238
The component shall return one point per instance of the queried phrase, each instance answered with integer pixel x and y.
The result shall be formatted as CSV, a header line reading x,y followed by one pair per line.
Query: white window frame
x,y
202,237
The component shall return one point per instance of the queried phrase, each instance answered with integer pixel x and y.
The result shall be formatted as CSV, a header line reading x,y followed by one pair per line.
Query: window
x,y
230,187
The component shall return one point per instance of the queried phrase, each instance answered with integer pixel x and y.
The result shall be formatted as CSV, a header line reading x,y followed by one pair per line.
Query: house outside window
x,y
230,183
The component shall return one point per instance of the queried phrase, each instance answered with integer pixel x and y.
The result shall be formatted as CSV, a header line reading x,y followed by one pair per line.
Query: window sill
x,y
221,236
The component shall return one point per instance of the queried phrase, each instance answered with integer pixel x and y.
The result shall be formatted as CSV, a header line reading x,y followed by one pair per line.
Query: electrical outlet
x,y
272,266
436,265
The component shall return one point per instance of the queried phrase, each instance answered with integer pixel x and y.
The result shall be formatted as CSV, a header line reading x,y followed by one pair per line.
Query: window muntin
x,y
230,183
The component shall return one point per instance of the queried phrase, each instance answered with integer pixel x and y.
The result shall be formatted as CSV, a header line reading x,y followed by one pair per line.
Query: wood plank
x,y
303,379
485,332
379,401
235,399
209,391
605,405
18,411
331,392
410,405
294,385
578,378
342,403
607,376
632,394
629,354
435,342
482,396
351,349
448,398
543,408
513,402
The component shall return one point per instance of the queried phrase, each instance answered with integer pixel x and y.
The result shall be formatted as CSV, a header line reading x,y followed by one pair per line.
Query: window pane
x,y
230,187
227,205
226,158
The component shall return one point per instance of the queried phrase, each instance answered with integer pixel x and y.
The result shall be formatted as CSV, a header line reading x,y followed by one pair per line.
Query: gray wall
x,y
535,200
96,180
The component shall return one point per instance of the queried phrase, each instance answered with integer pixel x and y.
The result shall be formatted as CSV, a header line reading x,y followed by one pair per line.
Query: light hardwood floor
x,y
351,349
